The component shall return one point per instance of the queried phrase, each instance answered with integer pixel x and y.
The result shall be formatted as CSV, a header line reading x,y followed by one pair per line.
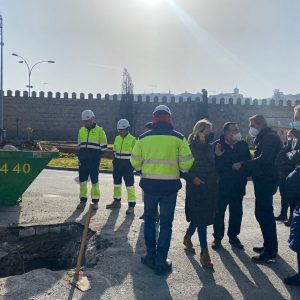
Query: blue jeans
x,y
202,233
158,249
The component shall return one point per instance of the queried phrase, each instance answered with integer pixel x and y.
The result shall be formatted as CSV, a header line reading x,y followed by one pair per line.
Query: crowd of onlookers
x,y
216,174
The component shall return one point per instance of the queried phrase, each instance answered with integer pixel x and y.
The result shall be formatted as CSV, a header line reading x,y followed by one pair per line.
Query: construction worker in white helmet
x,y
122,168
92,143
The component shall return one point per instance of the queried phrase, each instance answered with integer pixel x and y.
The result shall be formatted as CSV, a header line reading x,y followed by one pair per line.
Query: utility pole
x,y
2,132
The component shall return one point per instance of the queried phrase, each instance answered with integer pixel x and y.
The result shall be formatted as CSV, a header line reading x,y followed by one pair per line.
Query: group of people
x,y
216,174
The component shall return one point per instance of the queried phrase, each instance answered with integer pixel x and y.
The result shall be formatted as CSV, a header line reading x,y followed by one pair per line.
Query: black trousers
x,y
124,171
265,215
89,167
235,203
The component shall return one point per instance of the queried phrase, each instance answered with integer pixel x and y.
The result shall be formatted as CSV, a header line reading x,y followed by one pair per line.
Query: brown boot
x,y
187,242
81,205
205,259
130,211
114,204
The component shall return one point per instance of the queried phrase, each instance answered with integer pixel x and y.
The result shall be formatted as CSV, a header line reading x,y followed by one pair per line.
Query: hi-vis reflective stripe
x,y
103,146
117,185
123,155
90,146
124,152
136,157
89,141
160,176
129,187
161,161
186,158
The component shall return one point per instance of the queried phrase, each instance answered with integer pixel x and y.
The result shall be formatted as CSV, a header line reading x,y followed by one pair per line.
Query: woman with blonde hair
x,y
201,188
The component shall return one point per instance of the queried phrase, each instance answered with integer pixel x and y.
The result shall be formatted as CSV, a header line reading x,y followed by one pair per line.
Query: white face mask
x,y
237,137
253,131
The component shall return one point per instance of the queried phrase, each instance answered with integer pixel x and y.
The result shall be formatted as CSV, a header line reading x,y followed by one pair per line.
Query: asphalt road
x,y
52,198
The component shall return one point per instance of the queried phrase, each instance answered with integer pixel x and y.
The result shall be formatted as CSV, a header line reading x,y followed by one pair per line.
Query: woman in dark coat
x,y
201,188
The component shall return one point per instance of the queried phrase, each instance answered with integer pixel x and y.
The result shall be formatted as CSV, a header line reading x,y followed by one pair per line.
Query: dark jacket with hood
x,y
201,200
232,183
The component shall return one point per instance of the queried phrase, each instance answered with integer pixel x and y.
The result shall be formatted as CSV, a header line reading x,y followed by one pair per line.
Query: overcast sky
x,y
177,45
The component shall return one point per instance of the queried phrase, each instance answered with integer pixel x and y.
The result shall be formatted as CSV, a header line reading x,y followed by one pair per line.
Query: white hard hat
x,y
87,115
123,124
162,108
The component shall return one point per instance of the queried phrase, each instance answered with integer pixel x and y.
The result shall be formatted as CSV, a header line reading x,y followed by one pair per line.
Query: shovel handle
x,y
83,240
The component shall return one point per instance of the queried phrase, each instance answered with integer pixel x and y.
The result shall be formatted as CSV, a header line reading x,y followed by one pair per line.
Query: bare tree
x,y
127,84
127,105
203,106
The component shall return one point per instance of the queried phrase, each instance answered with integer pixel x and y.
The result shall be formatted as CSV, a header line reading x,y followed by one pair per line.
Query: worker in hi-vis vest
x,y
122,168
160,154
92,143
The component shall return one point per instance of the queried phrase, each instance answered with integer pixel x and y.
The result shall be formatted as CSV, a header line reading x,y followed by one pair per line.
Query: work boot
x,y
81,205
216,244
281,217
130,210
235,242
114,204
142,217
95,206
205,259
187,242
163,268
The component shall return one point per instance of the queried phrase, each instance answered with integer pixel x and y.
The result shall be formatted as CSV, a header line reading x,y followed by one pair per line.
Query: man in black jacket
x,y
229,149
285,167
265,178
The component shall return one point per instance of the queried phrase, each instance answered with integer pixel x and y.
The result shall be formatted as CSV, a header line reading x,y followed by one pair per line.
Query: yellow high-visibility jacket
x,y
161,154
92,142
123,146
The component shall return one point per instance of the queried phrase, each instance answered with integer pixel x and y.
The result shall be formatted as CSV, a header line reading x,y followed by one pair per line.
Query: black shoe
x,y
258,249
281,217
216,244
148,261
235,242
164,268
292,280
288,223
264,257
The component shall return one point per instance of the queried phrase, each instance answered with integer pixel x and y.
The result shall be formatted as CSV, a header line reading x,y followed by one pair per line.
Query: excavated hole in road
x,y
54,247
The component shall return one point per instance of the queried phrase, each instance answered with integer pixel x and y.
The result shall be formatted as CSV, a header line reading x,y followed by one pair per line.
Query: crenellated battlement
x,y
138,98
57,116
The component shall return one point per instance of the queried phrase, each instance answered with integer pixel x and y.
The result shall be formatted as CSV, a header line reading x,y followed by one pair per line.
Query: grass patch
x,y
71,161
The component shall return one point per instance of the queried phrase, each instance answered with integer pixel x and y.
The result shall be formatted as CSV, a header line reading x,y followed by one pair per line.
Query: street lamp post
x,y
31,68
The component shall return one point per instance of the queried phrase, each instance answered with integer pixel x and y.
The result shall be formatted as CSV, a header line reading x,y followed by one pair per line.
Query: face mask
x,y
296,125
209,138
237,137
253,131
